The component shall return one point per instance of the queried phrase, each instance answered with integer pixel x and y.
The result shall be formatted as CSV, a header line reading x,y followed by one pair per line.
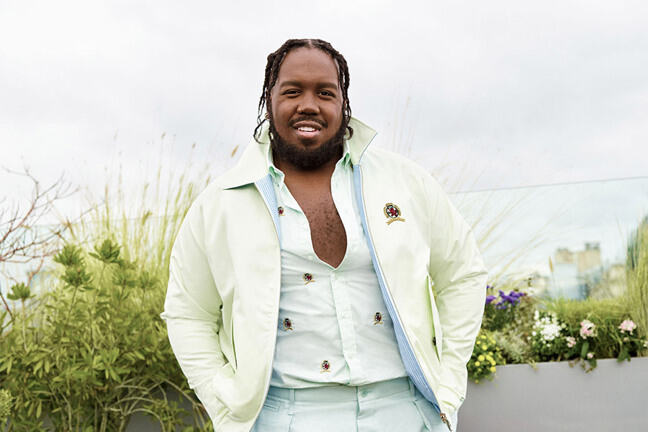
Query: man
x,y
322,284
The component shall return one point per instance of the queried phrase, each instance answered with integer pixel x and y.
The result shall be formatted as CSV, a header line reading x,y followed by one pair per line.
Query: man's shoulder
x,y
380,158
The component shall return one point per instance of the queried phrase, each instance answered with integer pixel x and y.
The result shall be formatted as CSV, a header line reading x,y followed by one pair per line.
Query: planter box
x,y
557,397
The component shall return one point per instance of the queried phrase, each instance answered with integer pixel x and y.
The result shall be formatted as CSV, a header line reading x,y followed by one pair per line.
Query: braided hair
x,y
272,73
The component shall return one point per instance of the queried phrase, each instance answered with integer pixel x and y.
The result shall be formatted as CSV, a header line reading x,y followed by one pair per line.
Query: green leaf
x,y
623,355
70,255
19,291
584,349
76,276
108,252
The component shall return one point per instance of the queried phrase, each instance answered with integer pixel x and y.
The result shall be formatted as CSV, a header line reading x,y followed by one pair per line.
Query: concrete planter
x,y
557,397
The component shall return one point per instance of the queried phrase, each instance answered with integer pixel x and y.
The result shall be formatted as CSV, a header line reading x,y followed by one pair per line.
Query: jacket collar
x,y
253,163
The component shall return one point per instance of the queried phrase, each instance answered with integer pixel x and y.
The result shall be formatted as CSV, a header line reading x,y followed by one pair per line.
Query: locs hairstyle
x,y
272,73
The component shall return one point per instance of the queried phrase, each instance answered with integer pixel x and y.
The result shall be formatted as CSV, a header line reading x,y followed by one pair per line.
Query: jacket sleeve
x,y
192,313
460,277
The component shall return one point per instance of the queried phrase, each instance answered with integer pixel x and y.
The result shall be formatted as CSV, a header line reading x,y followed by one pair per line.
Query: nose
x,y
308,104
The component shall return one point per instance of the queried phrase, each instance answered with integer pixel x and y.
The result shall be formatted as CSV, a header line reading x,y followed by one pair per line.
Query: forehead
x,y
308,64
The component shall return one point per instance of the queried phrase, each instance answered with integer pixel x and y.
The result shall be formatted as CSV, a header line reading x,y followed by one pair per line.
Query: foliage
x,y
5,407
598,329
95,350
529,330
486,355
500,309
514,347
506,319
91,349
637,278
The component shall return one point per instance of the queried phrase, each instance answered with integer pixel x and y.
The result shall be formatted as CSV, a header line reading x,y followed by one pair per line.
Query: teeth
x,y
306,129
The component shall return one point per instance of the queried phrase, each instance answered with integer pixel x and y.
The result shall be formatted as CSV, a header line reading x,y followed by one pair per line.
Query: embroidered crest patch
x,y
308,278
325,367
280,210
392,213
287,324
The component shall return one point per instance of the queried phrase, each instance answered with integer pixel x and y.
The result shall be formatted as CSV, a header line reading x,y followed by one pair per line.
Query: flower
x,y
481,358
550,331
571,341
590,355
587,329
490,299
510,299
477,363
627,326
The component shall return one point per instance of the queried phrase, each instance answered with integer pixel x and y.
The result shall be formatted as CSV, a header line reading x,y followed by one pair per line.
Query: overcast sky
x,y
494,94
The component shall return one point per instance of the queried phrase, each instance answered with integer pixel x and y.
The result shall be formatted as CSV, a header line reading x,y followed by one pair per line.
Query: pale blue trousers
x,y
387,406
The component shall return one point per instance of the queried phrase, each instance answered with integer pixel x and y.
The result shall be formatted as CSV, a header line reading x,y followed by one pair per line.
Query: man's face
x,y
306,108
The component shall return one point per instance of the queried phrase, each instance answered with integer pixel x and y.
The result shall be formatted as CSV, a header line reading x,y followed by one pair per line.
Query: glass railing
x,y
565,240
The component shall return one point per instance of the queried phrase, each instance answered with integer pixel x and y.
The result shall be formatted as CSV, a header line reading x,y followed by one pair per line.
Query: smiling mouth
x,y
307,131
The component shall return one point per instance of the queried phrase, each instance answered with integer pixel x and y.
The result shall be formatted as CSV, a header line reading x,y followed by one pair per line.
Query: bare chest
x,y
328,236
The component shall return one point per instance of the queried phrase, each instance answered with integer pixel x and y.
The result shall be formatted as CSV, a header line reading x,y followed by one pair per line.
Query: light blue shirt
x,y
333,323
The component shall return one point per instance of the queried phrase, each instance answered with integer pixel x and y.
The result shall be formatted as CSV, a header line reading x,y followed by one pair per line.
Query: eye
x,y
327,93
290,92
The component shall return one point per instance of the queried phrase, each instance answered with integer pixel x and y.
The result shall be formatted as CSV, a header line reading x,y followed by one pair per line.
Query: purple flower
x,y
490,298
501,305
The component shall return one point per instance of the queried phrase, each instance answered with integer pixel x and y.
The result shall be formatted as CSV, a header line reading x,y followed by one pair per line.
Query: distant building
x,y
613,282
575,272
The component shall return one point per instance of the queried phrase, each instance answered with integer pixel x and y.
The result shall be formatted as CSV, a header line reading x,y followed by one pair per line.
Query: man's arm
x,y
192,312
460,279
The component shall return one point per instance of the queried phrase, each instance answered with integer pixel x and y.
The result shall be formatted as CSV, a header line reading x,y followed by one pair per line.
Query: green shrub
x,y
94,350
91,349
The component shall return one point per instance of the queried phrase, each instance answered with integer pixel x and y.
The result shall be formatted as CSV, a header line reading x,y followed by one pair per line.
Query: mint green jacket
x,y
222,300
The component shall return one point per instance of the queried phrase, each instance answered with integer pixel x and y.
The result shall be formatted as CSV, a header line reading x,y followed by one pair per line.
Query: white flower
x,y
547,327
570,341
550,331
590,355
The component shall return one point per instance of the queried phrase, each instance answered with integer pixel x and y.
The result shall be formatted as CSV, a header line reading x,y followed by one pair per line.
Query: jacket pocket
x,y
437,339
232,336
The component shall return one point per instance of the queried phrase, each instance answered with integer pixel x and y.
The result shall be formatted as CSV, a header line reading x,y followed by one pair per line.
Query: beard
x,y
304,158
